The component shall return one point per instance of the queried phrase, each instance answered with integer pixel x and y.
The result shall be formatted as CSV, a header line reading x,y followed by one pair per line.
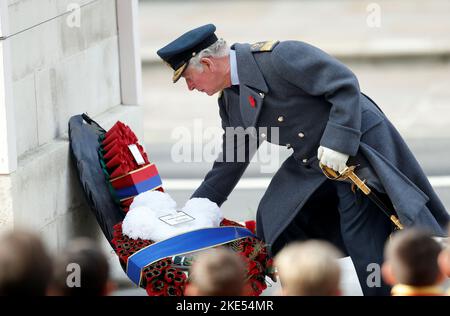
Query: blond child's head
x,y
309,269
217,272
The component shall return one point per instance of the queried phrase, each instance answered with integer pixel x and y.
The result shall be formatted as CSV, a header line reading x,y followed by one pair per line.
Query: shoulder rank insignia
x,y
267,46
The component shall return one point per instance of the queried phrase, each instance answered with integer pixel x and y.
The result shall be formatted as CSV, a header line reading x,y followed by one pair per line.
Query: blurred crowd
x,y
416,264
28,269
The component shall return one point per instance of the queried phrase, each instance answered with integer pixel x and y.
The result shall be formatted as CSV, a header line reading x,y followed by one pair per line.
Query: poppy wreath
x,y
163,279
127,177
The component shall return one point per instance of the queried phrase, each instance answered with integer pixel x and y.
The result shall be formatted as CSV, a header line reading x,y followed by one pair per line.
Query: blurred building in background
x,y
59,58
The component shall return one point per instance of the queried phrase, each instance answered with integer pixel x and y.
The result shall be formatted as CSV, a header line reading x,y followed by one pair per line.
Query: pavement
x,y
351,28
403,65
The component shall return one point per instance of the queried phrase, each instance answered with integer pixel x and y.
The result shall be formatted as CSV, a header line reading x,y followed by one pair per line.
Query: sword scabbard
x,y
396,221
359,183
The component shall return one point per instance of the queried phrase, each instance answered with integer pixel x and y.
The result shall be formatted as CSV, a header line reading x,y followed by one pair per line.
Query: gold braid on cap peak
x,y
177,74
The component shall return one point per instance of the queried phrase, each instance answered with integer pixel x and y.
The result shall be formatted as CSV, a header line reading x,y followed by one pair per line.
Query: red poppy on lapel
x,y
252,101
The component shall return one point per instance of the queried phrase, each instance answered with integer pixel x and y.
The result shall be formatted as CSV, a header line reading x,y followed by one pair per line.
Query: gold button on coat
x,y
301,135
281,119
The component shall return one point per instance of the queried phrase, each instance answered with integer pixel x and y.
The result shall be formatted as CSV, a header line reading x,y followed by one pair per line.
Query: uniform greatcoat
x,y
315,101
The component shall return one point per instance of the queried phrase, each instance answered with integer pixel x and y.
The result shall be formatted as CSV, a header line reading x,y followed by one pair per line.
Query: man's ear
x,y
208,64
387,273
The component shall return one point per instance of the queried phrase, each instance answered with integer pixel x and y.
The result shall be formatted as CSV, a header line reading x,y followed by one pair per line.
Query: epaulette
x,y
267,46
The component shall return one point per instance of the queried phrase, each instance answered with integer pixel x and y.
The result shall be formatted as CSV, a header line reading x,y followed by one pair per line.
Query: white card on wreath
x,y
177,218
136,154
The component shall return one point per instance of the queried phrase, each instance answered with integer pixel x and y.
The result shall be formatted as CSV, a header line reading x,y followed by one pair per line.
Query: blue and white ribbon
x,y
182,244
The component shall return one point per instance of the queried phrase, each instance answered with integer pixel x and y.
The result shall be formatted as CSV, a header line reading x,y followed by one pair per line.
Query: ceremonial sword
x,y
349,173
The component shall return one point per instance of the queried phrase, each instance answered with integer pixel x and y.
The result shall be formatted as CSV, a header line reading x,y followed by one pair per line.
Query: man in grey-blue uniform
x,y
316,104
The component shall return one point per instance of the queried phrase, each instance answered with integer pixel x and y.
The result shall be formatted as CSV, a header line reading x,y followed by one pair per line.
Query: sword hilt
x,y
349,173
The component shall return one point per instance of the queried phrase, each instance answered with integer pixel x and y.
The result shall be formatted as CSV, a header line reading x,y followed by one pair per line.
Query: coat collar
x,y
248,71
252,86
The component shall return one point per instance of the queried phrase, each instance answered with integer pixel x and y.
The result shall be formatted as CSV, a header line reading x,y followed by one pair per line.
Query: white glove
x,y
333,159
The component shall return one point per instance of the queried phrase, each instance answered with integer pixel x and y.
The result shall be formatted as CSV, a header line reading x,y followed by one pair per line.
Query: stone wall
x,y
58,69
